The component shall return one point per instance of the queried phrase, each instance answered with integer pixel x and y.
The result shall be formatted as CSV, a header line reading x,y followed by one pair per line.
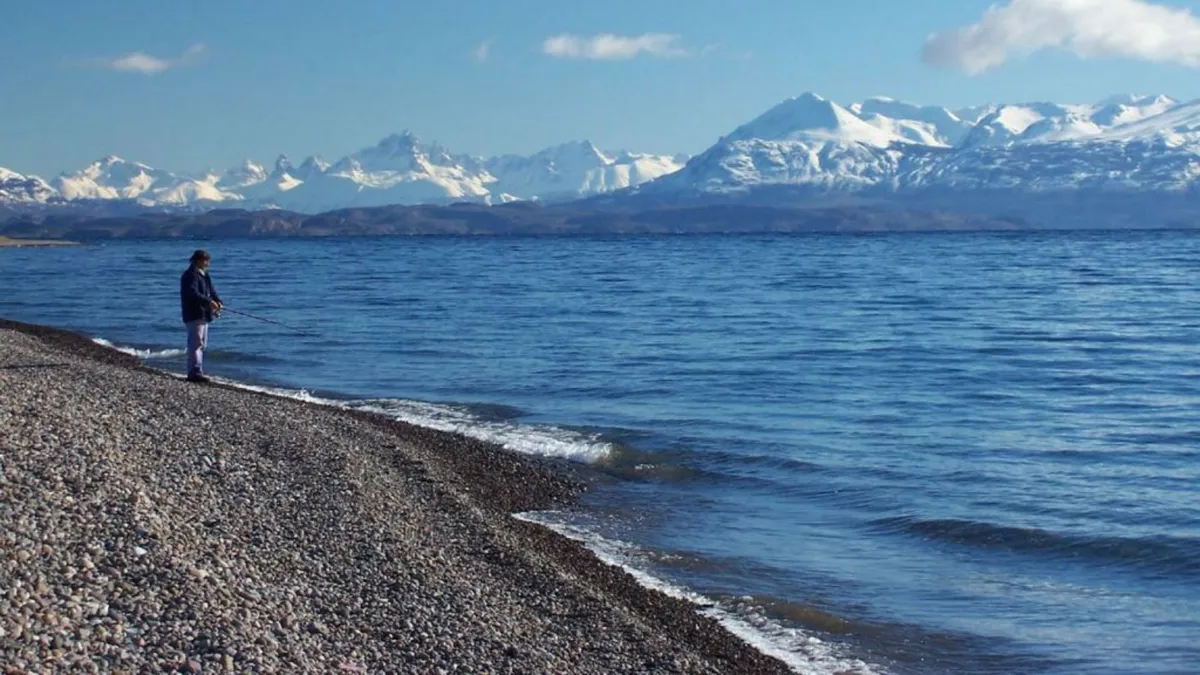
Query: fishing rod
x,y
248,315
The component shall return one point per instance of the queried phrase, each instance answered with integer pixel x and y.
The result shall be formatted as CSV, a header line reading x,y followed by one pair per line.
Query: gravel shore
x,y
151,525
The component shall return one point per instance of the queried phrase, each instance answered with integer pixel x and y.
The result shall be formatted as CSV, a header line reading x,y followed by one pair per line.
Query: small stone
x,y
193,666
139,551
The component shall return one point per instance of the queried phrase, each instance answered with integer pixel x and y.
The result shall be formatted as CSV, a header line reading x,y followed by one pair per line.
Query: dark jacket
x,y
196,292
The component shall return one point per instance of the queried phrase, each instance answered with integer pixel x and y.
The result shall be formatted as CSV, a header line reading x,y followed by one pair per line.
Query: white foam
x,y
141,353
295,394
799,650
529,439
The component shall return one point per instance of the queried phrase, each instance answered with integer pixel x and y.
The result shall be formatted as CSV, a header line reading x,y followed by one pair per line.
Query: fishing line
x,y
248,315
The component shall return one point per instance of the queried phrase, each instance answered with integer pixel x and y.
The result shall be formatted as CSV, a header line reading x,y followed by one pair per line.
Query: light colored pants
x,y
197,341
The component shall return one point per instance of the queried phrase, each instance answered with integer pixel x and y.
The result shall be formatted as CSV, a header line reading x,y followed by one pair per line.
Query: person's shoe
x,y
199,377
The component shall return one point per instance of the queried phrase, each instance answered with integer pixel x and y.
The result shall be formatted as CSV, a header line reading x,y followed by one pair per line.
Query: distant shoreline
x,y
8,242
509,219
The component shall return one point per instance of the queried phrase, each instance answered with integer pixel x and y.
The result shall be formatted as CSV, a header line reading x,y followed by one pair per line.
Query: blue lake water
x,y
919,453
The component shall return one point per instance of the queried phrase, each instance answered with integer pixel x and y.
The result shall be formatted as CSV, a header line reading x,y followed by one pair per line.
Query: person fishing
x,y
201,305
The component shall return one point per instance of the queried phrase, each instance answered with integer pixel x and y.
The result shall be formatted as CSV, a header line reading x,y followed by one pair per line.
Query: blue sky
x,y
255,79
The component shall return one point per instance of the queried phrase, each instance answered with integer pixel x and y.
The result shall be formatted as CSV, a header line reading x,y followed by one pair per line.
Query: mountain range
x,y
1126,160
400,169
885,146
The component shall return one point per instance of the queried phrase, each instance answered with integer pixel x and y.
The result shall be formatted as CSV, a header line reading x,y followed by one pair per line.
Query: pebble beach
x,y
152,525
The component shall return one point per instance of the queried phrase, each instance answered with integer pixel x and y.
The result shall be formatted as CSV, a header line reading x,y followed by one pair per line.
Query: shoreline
x,y
467,490
9,242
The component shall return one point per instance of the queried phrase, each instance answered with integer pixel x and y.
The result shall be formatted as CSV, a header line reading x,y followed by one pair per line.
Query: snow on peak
x,y
574,154
116,178
810,117
311,166
1052,122
1159,101
1135,108
974,114
249,173
574,169
1015,118
1138,100
404,141
401,152
1180,125
928,125
1070,127
1009,122
1120,99
110,178
16,188
404,147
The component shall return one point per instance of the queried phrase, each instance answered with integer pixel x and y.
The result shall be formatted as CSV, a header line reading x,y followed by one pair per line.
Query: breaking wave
x,y
528,439
742,616
144,354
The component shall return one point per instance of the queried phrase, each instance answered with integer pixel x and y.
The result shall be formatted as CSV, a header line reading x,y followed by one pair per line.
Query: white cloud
x,y
1089,28
607,46
482,51
140,62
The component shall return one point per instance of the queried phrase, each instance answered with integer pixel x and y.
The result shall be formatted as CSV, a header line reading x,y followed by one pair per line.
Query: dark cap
x,y
201,254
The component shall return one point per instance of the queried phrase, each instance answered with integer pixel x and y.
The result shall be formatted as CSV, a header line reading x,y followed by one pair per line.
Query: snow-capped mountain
x,y
16,189
111,178
116,178
574,170
1177,127
1052,122
256,186
400,169
248,174
1118,110
972,114
309,168
882,147
804,140
928,125
1008,123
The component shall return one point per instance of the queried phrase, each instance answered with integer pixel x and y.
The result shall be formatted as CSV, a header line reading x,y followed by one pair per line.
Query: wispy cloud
x,y
482,51
609,47
720,50
147,64
1089,28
